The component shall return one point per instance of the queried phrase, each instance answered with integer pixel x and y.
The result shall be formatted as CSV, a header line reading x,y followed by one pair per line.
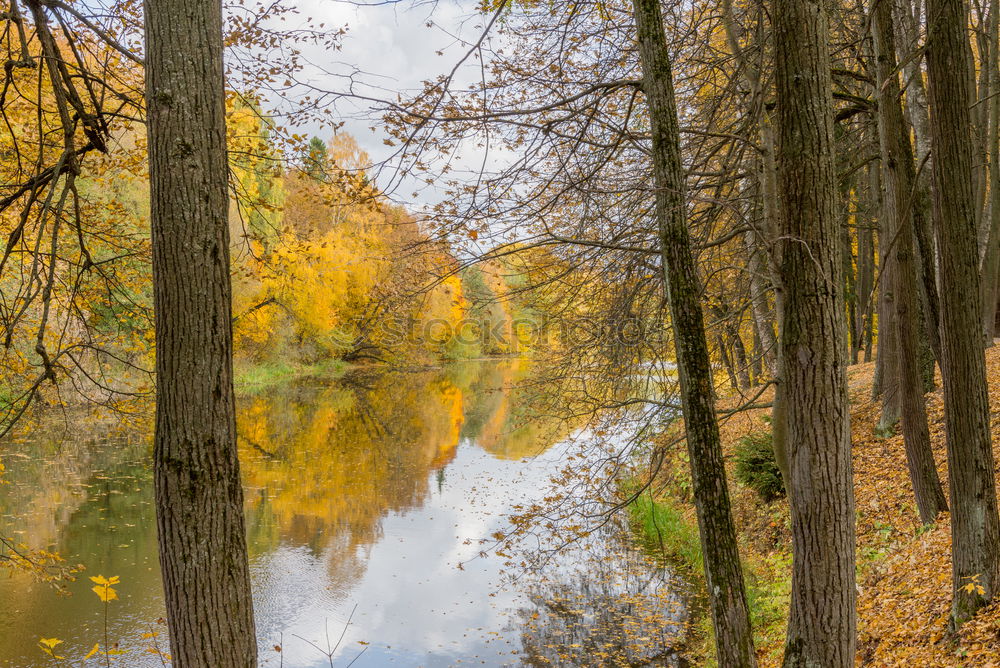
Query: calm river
x,y
371,495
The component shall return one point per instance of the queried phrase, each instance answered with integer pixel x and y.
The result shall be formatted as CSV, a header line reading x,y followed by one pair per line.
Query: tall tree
x,y
724,576
885,384
821,627
990,268
899,210
974,524
199,500
906,15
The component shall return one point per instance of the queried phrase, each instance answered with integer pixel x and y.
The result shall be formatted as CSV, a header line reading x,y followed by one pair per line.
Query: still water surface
x,y
366,500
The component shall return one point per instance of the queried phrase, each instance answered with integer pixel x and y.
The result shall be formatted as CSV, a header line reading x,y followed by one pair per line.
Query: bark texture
x,y
865,281
991,258
974,525
821,627
900,181
199,500
723,573
886,383
907,26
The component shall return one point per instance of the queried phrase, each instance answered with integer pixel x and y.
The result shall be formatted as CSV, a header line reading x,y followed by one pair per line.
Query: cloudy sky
x,y
395,50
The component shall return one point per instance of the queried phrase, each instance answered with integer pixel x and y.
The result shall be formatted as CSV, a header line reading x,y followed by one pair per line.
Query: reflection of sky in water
x,y
320,544
414,605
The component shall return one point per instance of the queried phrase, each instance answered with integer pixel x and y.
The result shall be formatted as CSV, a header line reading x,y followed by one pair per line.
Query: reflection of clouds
x,y
291,596
602,603
414,605
412,596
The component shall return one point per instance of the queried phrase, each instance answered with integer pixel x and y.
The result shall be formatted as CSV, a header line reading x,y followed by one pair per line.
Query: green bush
x,y
756,468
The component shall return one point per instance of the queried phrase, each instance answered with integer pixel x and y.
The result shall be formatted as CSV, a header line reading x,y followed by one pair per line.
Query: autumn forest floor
x,y
904,570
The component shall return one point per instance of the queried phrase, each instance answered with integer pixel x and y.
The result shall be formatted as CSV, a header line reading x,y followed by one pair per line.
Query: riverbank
x,y
249,379
904,569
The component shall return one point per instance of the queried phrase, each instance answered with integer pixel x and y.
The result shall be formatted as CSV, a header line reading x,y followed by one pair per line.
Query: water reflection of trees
x,y
82,489
322,461
505,422
322,465
603,603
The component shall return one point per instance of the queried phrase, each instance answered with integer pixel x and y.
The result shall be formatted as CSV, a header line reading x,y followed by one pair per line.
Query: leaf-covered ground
x,y
904,569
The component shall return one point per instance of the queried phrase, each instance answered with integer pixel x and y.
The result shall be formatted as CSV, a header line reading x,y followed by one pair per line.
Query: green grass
x,y
457,351
663,527
769,593
255,378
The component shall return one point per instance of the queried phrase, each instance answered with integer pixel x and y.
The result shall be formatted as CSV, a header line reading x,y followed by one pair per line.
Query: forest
x,y
577,333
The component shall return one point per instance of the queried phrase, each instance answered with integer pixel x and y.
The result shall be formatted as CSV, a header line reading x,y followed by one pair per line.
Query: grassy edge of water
x,y
670,527
664,529
250,378
662,525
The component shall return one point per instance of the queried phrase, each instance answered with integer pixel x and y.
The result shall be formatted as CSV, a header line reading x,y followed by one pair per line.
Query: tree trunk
x,y
740,357
723,573
974,525
757,358
991,258
847,189
897,160
866,281
821,627
199,500
886,383
733,352
979,117
850,282
728,363
762,315
925,212
779,406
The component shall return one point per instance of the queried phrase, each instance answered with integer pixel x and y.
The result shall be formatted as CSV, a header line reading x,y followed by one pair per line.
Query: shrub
x,y
756,467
